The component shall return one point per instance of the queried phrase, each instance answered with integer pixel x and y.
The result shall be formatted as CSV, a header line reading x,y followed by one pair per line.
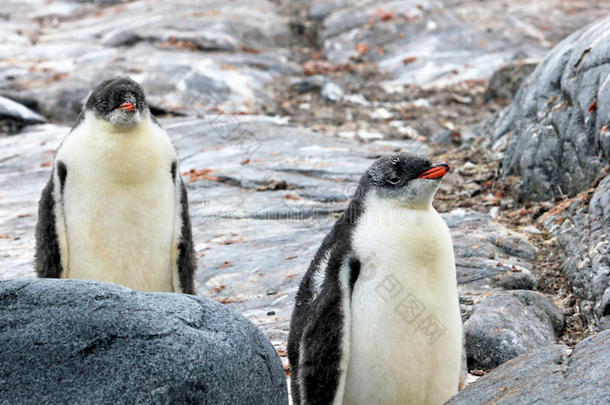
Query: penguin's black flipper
x,y
323,346
320,367
48,256
187,262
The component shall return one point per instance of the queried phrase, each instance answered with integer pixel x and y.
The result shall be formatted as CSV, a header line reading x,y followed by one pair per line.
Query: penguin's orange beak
x,y
435,172
127,106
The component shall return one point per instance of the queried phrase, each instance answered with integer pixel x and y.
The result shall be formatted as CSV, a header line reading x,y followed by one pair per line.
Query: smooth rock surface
x,y
70,341
553,374
439,43
559,122
506,325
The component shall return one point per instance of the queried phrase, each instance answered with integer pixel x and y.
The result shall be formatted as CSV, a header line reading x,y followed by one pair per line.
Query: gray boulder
x,y
506,81
553,374
447,137
14,116
72,341
488,255
558,125
506,325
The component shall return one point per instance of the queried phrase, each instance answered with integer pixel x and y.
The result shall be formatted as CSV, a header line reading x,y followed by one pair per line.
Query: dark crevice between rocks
x,y
256,185
547,266
594,65
304,30
103,343
10,126
130,39
565,361
159,111
582,56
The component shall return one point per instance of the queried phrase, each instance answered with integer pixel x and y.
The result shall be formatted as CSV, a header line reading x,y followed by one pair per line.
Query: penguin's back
x,y
119,205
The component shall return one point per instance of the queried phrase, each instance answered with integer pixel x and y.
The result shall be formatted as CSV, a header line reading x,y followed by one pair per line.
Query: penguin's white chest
x,y
119,205
406,330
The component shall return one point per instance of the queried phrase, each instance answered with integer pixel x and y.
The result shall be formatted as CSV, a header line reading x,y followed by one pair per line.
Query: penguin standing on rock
x,y
115,208
377,318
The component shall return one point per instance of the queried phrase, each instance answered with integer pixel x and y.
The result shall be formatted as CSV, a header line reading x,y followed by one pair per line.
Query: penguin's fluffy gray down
x,y
377,318
115,208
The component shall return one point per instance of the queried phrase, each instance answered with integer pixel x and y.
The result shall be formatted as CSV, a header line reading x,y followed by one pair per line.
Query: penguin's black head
x,y
119,101
408,179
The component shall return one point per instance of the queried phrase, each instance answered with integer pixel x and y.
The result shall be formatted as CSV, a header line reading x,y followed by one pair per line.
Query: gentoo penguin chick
x,y
377,319
115,208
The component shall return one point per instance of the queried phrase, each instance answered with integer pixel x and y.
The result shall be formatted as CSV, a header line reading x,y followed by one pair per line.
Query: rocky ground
x,y
277,108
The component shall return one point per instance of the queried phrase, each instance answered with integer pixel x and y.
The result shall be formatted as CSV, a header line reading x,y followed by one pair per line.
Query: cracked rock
x,y
559,121
553,374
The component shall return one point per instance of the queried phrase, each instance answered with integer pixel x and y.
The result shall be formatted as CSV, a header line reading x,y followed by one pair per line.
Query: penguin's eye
x,y
394,180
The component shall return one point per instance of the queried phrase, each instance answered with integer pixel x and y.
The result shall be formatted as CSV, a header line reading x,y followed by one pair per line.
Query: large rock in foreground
x,y
551,375
557,130
70,341
507,325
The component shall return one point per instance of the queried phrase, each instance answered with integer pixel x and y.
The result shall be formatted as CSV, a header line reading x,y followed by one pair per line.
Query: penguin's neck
x,y
412,242
98,125
124,154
